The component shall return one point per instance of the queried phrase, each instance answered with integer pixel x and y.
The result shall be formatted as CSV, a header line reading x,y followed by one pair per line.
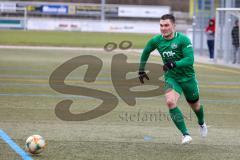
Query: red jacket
x,y
211,26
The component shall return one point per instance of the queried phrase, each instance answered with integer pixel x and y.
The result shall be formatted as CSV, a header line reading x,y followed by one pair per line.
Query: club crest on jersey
x,y
174,46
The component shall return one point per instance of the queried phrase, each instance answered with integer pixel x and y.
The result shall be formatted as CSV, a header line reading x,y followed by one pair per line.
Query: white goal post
x,y
224,49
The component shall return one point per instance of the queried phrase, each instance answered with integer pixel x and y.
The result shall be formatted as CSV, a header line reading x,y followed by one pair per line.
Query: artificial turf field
x,y
27,106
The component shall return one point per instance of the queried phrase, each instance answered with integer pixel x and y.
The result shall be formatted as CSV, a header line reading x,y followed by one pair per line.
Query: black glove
x,y
142,75
169,65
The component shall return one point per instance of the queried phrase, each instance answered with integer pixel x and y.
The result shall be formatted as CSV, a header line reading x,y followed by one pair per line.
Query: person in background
x,y
235,41
210,32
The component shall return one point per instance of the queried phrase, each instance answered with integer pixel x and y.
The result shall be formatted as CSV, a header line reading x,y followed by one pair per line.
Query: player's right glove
x,y
142,75
169,65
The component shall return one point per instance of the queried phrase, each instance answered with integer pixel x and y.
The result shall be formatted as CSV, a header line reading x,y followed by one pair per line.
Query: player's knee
x,y
171,103
171,99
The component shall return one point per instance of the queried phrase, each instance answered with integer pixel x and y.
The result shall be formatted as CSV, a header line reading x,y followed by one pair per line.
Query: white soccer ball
x,y
35,144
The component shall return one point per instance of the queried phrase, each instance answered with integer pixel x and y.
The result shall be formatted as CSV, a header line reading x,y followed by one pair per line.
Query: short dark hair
x,y
168,16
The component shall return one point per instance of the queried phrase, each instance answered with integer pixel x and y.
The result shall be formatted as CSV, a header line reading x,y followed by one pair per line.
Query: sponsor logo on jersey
x,y
168,54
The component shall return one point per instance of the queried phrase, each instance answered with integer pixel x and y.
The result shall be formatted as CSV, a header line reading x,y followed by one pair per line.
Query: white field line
x,y
63,48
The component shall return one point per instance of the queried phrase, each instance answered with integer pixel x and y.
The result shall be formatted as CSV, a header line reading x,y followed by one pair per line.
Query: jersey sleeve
x,y
187,51
146,52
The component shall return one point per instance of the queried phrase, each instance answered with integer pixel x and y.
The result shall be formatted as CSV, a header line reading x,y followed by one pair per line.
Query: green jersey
x,y
178,49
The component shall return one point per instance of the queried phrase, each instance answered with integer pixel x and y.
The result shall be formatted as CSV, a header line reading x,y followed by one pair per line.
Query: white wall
x,y
92,25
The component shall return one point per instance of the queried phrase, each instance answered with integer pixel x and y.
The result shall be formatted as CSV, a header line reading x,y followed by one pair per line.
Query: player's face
x,y
167,28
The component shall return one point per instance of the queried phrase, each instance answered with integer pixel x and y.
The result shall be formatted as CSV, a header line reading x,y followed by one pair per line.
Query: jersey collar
x,y
175,35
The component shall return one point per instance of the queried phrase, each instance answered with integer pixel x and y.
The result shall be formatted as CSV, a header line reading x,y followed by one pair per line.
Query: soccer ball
x,y
35,144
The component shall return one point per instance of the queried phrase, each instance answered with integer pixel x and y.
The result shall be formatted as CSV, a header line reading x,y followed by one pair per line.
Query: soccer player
x,y
177,54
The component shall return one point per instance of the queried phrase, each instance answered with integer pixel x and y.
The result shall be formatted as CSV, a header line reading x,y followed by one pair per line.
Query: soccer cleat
x,y
186,139
203,130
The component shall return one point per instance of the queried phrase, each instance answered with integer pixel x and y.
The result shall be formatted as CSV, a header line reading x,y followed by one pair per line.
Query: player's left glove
x,y
142,75
169,65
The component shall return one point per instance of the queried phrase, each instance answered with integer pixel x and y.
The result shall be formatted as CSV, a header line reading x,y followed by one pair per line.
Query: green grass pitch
x,y
27,106
72,39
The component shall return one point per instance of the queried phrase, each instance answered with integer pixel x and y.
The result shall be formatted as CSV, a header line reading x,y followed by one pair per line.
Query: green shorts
x,y
189,88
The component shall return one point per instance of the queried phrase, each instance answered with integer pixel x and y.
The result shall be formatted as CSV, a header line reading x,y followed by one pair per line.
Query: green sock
x,y
200,115
178,120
